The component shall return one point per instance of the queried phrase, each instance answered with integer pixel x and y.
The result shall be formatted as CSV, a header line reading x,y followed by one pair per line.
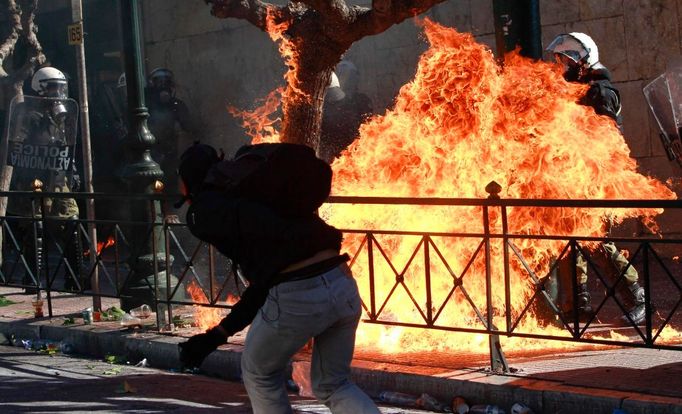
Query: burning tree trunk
x,y
314,34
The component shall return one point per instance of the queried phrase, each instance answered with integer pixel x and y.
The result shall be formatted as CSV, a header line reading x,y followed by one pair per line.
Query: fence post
x,y
427,275
370,263
498,362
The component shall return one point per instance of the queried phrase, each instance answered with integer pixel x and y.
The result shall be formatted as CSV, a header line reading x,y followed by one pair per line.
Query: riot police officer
x,y
579,55
168,117
345,109
41,147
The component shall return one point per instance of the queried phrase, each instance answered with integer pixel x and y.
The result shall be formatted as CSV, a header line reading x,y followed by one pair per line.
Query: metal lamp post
x,y
517,23
147,280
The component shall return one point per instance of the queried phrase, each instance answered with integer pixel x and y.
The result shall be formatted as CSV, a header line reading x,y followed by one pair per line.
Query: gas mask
x,y
162,85
58,92
573,70
165,96
58,111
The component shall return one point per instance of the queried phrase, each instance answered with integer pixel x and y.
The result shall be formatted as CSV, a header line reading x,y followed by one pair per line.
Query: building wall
x,y
229,62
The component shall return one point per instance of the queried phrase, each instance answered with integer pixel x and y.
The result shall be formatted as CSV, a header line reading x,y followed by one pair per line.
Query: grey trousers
x,y
326,308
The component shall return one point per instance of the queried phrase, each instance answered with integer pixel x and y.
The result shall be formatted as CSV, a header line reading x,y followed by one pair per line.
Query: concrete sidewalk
x,y
592,381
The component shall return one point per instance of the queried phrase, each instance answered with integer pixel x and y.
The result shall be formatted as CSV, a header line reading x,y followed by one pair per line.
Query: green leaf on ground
x,y
5,302
115,359
180,322
69,321
112,371
112,314
48,351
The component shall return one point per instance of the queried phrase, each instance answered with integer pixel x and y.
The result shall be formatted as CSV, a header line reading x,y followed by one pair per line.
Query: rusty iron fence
x,y
37,255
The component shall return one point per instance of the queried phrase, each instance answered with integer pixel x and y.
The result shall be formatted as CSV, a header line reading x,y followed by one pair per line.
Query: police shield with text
x,y
41,146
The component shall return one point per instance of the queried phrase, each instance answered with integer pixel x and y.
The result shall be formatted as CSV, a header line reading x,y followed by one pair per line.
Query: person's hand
x,y
197,348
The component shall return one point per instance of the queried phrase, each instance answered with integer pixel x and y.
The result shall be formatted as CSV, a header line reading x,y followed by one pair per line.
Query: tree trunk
x,y
23,33
303,115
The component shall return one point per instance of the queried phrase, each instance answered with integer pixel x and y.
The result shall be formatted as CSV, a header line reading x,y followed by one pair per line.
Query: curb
x,y
476,387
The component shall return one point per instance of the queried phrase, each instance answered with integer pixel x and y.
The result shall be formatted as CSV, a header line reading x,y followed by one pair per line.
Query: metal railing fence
x,y
497,271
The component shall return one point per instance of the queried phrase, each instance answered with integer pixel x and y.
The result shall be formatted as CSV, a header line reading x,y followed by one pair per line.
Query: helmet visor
x,y
56,90
569,46
162,79
566,60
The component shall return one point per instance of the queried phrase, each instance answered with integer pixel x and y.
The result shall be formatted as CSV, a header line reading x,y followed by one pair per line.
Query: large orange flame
x,y
289,52
460,124
261,124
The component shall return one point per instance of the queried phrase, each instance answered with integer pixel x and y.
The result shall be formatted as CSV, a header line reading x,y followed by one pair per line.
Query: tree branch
x,y
333,11
384,14
35,54
253,11
8,45
14,82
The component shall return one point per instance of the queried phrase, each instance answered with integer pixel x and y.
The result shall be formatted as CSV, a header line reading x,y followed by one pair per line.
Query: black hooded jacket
x,y
262,241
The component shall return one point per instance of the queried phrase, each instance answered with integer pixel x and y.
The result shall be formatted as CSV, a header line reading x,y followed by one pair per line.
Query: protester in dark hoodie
x,y
299,285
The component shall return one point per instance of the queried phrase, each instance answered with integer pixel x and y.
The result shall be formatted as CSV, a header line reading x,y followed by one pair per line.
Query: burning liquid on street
x,y
205,317
101,245
460,124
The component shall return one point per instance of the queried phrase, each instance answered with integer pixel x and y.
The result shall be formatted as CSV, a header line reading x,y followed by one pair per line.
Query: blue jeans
x,y
326,308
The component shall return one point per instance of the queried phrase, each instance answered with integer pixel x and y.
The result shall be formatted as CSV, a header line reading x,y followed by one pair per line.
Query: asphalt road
x,y
37,382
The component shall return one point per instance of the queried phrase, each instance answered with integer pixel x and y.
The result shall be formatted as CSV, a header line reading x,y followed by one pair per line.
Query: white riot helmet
x,y
575,49
162,82
334,91
161,78
349,76
50,82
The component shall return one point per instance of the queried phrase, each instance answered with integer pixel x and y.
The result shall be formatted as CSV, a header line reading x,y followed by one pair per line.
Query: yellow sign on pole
x,y
75,33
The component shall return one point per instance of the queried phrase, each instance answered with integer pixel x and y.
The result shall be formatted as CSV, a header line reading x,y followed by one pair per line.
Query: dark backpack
x,y
287,177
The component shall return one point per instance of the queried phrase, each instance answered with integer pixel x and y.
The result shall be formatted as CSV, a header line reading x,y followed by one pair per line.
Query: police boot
x,y
584,304
635,302
73,253
584,300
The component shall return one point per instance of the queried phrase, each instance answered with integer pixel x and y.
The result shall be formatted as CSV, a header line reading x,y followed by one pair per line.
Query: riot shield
x,y
41,142
664,101
673,77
